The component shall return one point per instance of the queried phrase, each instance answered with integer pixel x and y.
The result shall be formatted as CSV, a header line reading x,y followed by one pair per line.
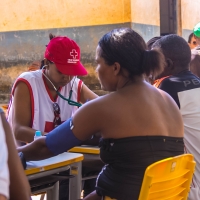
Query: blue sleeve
x,y
62,138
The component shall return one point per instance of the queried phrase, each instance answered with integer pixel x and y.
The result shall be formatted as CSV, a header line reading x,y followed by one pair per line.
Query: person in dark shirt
x,y
184,87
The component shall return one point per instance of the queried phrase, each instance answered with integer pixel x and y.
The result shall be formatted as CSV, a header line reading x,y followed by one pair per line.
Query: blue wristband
x,y
61,138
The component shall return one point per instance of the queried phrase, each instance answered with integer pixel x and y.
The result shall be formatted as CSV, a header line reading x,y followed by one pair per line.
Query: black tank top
x,y
126,160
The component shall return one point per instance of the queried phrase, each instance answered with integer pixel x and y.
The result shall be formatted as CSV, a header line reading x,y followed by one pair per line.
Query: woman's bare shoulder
x,y
166,97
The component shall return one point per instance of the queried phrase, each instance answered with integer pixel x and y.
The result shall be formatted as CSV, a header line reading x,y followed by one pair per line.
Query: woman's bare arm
x,y
36,150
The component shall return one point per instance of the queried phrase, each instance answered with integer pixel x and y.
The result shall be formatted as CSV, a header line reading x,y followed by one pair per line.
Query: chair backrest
x,y
168,179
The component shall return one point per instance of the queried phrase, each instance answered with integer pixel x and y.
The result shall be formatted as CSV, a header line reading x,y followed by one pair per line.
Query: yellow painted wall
x,y
44,14
190,11
145,12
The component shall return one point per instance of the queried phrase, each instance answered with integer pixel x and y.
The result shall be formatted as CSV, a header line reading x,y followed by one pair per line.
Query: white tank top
x,y
42,102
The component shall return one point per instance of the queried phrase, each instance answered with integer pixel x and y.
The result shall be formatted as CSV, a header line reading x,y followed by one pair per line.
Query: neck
x,y
179,70
127,81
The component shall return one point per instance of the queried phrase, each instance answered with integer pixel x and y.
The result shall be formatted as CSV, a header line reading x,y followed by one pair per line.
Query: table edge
x,y
53,166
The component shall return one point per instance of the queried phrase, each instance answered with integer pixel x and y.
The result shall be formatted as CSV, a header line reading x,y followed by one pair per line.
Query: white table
x,y
56,164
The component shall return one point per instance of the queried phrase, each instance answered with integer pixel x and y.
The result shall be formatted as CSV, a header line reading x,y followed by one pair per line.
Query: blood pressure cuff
x,y
62,138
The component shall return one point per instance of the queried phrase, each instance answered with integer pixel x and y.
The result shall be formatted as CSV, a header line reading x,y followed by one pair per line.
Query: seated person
x,y
136,120
37,96
184,87
11,171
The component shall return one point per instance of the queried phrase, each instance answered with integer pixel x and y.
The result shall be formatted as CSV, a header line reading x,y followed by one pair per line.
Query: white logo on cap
x,y
74,54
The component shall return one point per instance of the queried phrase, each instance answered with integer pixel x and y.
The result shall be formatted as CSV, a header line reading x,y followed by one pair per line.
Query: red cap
x,y
65,54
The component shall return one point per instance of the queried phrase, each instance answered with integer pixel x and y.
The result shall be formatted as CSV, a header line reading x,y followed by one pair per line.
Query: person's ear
x,y
116,68
169,64
46,63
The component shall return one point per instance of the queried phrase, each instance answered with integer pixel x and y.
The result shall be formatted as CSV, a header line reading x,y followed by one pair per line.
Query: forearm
x,y
36,150
87,94
24,133
59,140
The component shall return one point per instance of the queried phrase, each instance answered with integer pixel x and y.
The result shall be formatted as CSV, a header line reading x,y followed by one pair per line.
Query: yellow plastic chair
x,y
168,179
